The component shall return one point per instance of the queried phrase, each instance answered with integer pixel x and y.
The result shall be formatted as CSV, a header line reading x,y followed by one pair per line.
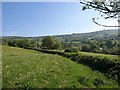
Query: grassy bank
x,y
24,68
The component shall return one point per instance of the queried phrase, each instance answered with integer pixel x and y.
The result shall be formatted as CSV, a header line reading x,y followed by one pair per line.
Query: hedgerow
x,y
110,68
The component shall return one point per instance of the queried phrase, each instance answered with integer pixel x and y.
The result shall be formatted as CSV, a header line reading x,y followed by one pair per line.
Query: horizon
x,y
59,34
31,19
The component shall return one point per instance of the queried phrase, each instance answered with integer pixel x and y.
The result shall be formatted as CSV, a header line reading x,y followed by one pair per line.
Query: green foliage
x,y
86,47
98,82
98,41
84,8
83,80
38,45
12,43
73,49
109,43
23,43
57,45
96,62
49,42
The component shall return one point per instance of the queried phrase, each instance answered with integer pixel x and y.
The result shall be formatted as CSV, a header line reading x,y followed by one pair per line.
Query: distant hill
x,y
104,41
103,34
75,36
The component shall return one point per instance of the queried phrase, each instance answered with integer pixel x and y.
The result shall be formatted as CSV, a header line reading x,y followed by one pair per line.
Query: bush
x,y
72,50
23,43
12,43
86,47
98,82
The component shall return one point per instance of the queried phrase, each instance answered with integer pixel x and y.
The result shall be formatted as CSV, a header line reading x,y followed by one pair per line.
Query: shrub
x,y
72,50
12,43
98,82
86,47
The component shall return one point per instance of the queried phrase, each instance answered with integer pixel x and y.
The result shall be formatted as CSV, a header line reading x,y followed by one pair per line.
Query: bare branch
x,y
104,25
107,8
102,7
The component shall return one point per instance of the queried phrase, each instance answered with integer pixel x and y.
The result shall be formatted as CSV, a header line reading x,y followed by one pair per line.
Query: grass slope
x,y
99,54
24,68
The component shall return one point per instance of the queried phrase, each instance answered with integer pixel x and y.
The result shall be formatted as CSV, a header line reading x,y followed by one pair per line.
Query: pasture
x,y
23,68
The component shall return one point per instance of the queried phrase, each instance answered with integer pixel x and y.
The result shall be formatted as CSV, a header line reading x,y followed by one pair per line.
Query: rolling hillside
x,y
27,69
74,36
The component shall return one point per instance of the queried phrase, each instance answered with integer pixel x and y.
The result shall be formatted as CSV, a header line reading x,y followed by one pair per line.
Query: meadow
x,y
23,68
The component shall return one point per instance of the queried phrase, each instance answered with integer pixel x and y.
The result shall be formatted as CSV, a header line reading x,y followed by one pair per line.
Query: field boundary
x,y
109,68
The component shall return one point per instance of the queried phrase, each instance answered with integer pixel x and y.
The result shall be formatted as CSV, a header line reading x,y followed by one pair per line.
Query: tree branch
x,y
104,25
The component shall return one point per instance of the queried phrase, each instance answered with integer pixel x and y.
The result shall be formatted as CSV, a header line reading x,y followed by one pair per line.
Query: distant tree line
x,y
97,45
22,43
108,46
48,42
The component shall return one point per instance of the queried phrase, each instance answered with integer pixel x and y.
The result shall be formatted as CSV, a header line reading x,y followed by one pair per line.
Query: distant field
x,y
98,54
24,68
90,53
93,54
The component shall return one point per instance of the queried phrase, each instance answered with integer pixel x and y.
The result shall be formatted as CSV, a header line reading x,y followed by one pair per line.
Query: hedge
x,y
110,68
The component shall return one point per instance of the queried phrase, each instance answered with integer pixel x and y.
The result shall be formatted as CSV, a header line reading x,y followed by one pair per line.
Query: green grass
x,y
32,69
111,57
98,54
91,54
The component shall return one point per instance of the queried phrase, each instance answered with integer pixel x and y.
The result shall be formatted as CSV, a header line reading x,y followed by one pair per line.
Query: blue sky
x,y
47,18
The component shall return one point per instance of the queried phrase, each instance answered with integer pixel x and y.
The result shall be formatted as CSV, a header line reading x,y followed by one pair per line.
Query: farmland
x,y
55,45
23,68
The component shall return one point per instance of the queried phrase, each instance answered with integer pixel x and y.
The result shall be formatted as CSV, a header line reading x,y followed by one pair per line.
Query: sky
x,y
48,18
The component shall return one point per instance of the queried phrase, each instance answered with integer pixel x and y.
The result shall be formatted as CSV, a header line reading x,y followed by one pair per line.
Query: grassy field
x,y
98,54
24,68
91,54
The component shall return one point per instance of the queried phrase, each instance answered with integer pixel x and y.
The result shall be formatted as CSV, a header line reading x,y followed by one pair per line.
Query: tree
x,y
12,43
86,47
38,45
33,44
94,47
107,8
105,49
57,45
109,43
23,43
47,42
